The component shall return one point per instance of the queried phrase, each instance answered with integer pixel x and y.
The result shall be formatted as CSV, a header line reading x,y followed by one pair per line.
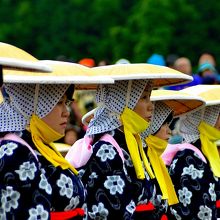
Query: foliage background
x,y
112,29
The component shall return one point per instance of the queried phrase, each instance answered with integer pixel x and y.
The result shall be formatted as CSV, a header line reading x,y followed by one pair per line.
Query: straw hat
x,y
179,101
1,98
21,67
12,57
161,75
209,93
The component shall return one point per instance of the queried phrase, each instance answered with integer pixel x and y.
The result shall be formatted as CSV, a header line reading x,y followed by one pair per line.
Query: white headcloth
x,y
25,99
188,124
112,99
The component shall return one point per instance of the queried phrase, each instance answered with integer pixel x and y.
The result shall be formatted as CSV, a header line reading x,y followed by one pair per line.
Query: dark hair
x,y
69,92
168,120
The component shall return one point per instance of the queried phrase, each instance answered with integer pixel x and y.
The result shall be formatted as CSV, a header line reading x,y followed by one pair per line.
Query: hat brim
x,y
21,67
10,51
12,57
1,97
180,102
61,73
160,75
15,64
210,93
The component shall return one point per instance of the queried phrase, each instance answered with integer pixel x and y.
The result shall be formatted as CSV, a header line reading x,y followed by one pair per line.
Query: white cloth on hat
x,y
160,114
112,101
18,107
188,124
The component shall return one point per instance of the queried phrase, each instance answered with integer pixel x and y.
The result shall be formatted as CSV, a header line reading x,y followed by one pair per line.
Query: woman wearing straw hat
x,y
36,182
195,169
168,104
113,165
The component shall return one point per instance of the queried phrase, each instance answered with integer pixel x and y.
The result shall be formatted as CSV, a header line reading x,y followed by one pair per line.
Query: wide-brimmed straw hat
x,y
180,102
12,57
21,67
209,93
1,97
160,75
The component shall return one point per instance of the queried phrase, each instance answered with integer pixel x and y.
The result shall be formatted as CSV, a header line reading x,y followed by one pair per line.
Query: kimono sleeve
x,y
21,184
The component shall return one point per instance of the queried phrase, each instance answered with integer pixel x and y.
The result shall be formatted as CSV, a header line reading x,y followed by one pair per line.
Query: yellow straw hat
x,y
12,57
180,102
160,75
21,67
209,93
1,98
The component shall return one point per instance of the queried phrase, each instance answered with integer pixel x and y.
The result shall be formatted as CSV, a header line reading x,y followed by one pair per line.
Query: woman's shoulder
x,y
13,152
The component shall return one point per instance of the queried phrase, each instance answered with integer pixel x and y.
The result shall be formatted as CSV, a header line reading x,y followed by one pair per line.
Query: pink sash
x,y
16,138
81,151
172,149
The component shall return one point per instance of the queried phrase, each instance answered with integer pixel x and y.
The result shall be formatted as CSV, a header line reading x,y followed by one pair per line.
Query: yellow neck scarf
x,y
156,147
133,126
43,135
208,136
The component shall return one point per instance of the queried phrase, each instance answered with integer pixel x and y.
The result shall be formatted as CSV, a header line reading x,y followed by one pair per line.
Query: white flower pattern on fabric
x,y
73,203
115,184
127,157
174,212
99,212
7,149
9,198
66,186
185,196
26,171
205,213
38,213
93,175
106,152
131,207
45,185
2,214
173,164
212,191
193,172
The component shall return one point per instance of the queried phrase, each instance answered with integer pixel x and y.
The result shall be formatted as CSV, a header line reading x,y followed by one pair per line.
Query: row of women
x,y
124,167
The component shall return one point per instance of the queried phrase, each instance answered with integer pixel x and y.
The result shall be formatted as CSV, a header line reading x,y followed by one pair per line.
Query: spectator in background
x,y
208,73
103,62
122,61
89,62
156,59
207,57
183,64
170,60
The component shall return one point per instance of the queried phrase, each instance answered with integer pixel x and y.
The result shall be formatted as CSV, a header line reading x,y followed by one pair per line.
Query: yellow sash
x,y
42,136
133,126
208,136
156,147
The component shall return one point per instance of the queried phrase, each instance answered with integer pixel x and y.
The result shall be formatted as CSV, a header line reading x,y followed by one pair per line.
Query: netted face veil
x,y
25,99
112,99
188,125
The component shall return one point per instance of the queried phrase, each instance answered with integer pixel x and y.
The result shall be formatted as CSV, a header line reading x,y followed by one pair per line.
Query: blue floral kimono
x,y
32,190
195,186
113,190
